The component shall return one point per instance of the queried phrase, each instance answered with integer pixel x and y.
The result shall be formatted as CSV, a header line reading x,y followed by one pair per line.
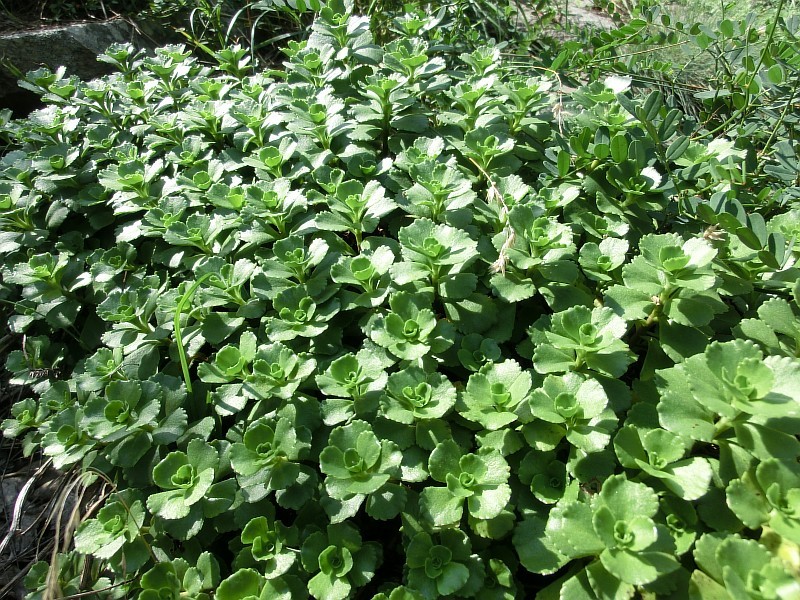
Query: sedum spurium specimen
x,y
493,394
339,560
478,481
387,323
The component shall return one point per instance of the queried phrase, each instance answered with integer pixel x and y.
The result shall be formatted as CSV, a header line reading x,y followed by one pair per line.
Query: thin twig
x,y
52,589
95,592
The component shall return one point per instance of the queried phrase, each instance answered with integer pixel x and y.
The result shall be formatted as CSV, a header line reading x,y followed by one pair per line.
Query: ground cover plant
x,y
263,27
375,326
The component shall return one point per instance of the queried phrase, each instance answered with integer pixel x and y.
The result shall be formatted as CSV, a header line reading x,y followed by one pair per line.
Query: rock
x,y
583,13
10,487
75,46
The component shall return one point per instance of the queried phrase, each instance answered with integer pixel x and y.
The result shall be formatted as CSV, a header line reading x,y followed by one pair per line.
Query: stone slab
x,y
74,46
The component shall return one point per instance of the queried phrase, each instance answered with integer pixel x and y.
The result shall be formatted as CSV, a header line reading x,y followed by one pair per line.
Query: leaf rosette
x,y
267,458
581,338
355,207
672,277
545,475
732,386
733,567
476,351
368,272
410,330
277,372
769,496
191,493
25,415
443,568
438,191
268,545
270,209
539,239
660,454
65,440
479,480
127,417
299,315
354,382
416,395
437,253
231,363
339,561
618,527
579,408
356,463
175,580
116,527
294,260
600,261
493,395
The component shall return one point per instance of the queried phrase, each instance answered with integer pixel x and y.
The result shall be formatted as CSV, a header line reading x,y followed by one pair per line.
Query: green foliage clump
x,y
370,326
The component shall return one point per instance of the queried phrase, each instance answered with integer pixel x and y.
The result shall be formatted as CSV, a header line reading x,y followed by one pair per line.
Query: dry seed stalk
x,y
493,195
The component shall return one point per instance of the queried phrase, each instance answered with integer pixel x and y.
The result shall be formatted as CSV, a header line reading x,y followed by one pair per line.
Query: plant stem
x,y
789,104
187,296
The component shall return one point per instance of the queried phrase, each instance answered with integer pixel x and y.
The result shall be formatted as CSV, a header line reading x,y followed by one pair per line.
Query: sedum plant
x,y
478,481
404,322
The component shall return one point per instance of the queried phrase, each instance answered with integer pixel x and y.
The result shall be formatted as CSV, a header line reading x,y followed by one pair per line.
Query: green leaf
x,y
678,411
702,587
741,556
627,499
536,551
747,502
452,579
605,585
679,341
638,568
244,583
328,587
690,478
387,502
489,502
441,507
569,527
162,577
444,460
577,586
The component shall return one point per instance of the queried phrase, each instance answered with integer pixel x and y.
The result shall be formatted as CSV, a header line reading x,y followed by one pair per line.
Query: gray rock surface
x,y
582,13
75,46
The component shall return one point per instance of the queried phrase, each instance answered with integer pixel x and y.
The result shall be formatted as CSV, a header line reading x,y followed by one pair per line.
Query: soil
x,y
15,468
30,497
